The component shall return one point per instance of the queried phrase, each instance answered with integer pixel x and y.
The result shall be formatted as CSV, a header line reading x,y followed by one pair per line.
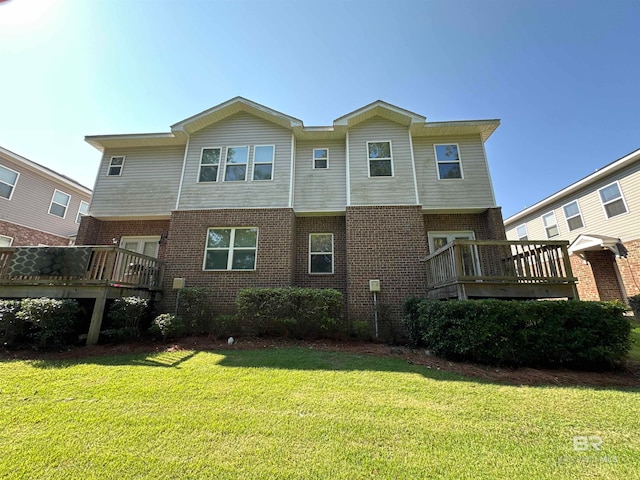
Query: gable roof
x,y
380,109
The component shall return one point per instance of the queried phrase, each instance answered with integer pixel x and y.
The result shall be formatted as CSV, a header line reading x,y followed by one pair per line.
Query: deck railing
x,y
499,261
83,265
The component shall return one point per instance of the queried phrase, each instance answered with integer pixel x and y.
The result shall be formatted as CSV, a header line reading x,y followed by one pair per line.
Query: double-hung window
x,y
573,215
5,241
263,162
612,200
320,158
521,232
231,249
321,253
550,224
236,164
59,204
115,167
448,161
209,165
82,210
8,180
380,159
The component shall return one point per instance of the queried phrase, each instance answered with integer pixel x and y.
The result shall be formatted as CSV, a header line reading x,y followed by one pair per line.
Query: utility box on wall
x,y
178,283
374,285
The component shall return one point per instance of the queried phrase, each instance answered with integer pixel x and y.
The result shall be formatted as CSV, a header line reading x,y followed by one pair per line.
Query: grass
x,y
300,413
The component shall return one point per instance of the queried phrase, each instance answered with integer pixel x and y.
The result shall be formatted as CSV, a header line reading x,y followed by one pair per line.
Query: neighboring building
x,y
600,216
242,196
37,205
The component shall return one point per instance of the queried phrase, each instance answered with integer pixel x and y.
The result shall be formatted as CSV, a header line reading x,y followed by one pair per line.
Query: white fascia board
x,y
414,117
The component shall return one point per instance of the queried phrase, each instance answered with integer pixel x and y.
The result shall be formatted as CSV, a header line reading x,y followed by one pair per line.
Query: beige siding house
x,y
600,216
37,205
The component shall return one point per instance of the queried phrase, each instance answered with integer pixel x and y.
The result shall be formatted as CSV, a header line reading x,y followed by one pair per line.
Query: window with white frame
x,y
82,210
470,255
612,200
231,248
115,167
521,232
5,241
59,204
236,164
209,165
550,224
146,245
321,253
263,162
8,180
380,159
573,215
448,161
320,158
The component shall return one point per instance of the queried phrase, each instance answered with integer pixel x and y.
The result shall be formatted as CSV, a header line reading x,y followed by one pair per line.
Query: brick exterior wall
x,y
630,268
25,236
186,246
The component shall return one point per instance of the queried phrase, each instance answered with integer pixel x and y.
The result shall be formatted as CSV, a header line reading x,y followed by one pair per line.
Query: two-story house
x,y
37,205
599,215
241,195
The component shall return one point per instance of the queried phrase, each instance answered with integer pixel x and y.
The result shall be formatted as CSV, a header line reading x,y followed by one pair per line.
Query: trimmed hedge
x,y
294,312
11,326
574,334
50,322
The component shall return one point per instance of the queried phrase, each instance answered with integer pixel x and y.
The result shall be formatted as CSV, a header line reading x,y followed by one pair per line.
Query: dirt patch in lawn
x,y
629,377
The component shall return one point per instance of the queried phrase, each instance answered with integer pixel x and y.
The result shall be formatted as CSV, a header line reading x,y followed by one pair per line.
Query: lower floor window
x,y
5,241
231,249
321,253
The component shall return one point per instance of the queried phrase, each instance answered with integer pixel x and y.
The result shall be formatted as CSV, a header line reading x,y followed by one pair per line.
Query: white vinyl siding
x,y
320,158
550,224
147,187
82,210
209,164
263,162
321,253
231,249
474,191
573,216
116,164
319,189
59,204
8,181
612,200
241,129
448,161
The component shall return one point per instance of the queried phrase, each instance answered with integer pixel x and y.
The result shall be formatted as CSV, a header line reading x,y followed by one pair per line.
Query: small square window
x,y
209,165
59,204
236,164
263,162
380,159
231,249
448,161
550,225
320,158
115,166
612,200
521,232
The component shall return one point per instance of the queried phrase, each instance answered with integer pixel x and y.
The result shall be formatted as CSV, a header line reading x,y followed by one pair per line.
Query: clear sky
x,y
562,75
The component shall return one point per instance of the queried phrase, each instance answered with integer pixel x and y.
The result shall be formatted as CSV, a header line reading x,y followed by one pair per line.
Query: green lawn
x,y
301,413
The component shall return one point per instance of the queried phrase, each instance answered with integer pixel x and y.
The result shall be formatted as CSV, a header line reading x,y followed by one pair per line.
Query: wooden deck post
x,y
96,318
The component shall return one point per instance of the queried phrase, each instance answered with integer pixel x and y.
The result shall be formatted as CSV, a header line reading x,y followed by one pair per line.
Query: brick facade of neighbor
x,y
385,243
186,248
25,236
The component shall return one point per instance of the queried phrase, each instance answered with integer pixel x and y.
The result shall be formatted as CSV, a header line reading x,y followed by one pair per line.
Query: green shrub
x,y
167,325
295,312
124,318
11,326
52,322
634,303
222,325
195,309
585,335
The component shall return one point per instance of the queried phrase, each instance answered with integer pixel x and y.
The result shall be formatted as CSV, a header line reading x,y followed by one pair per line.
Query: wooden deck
x,y
99,272
501,269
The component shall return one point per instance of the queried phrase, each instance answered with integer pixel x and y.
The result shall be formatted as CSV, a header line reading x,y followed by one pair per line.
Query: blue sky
x,y
563,76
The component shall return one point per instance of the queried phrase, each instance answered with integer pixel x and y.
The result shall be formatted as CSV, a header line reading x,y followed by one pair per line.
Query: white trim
x,y
313,159
624,202
231,249
123,157
413,167
226,163
254,163
526,231
379,159
292,172
66,207
184,166
13,187
10,239
311,253
209,164
80,215
141,240
348,173
566,219
448,233
438,162
555,224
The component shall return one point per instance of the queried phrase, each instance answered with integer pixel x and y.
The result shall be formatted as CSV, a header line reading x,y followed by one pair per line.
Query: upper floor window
x,y
82,210
612,200
236,164
550,224
263,162
448,160
8,180
59,204
320,158
115,166
573,215
209,165
231,249
5,241
380,159
321,253
521,232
